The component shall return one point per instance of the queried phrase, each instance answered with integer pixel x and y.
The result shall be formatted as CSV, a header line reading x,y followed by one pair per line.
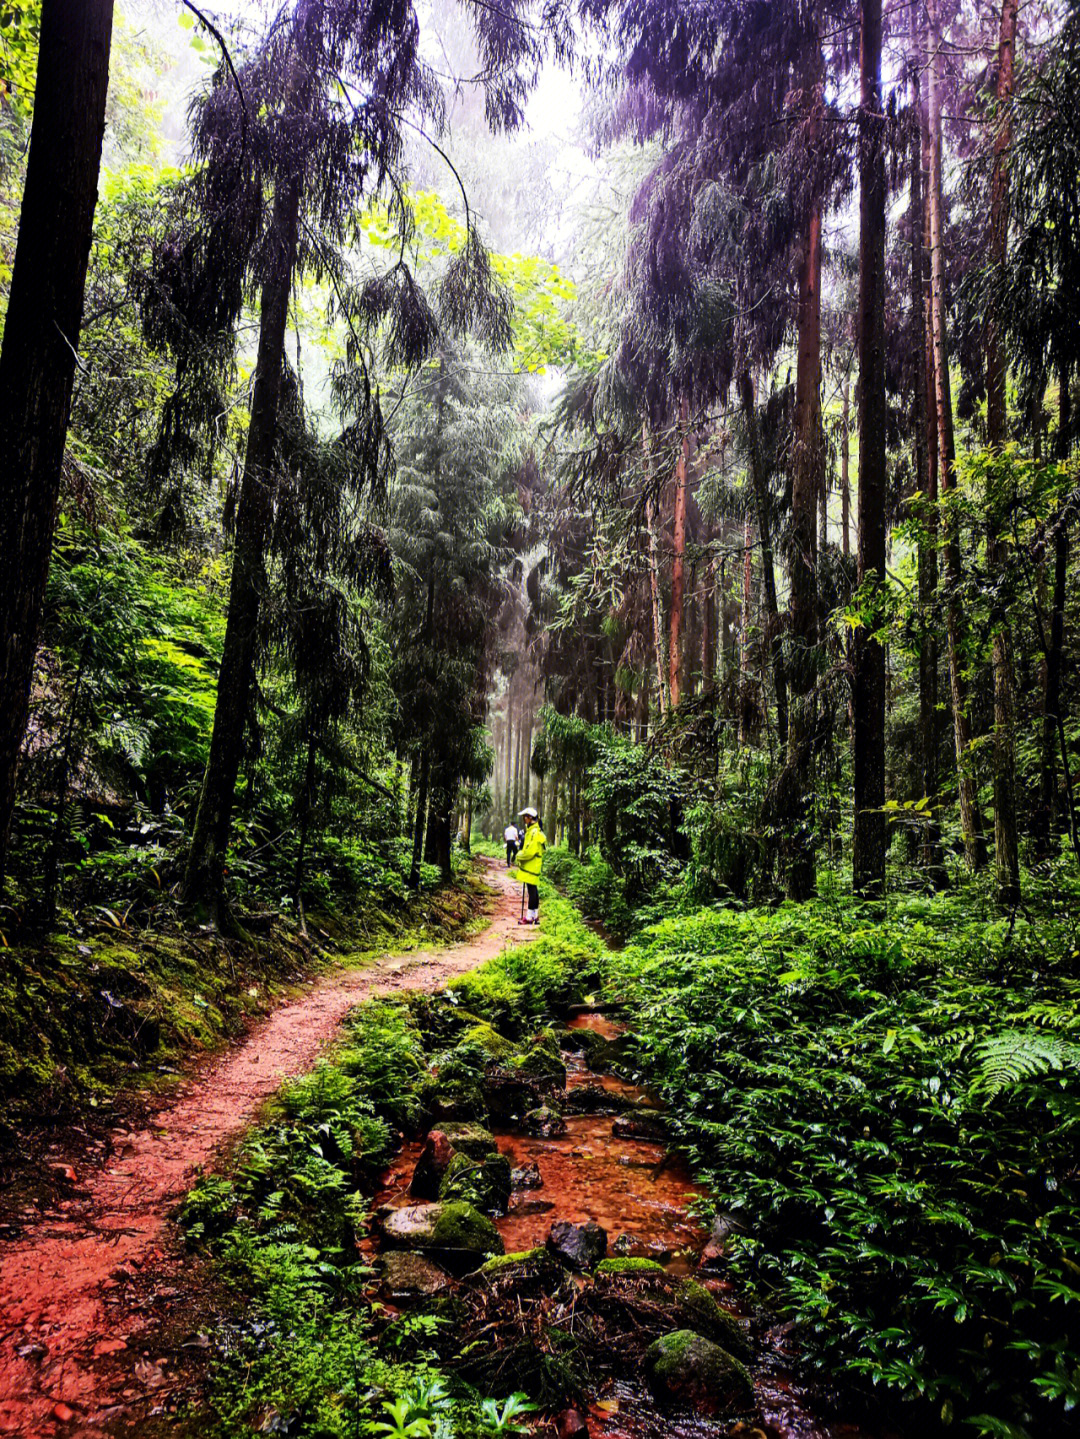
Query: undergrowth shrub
x,y
891,1111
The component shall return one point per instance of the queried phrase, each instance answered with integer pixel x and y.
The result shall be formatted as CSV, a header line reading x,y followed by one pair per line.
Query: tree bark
x,y
794,789
760,487
420,822
868,846
845,468
1006,844
745,613
1052,716
676,666
41,340
925,480
662,693
970,817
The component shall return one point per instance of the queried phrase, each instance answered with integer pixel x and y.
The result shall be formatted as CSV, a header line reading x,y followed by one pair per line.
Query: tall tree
x,y
1006,845
318,128
924,447
868,847
41,339
970,816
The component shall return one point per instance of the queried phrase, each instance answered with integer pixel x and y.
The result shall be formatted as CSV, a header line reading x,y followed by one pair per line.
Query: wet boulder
x,y
433,1163
405,1276
685,1370
544,1123
484,1183
543,1063
644,1124
595,1099
531,1267
471,1139
486,1040
454,1232
510,1094
526,1176
630,1246
602,1055
698,1310
578,1246
458,1103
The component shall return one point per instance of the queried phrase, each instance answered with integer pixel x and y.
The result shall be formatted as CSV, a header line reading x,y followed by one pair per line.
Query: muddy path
x,y
59,1280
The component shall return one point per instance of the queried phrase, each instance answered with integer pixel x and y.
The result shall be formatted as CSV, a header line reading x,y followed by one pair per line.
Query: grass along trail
x,y
56,1324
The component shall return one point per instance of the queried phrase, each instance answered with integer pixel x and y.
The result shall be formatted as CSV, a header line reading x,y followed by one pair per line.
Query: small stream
x,y
639,1192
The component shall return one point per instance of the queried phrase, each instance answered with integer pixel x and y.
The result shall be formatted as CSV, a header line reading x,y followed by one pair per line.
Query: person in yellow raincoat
x,y
529,863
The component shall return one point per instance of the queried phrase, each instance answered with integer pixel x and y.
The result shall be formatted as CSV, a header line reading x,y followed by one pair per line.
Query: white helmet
x,y
528,813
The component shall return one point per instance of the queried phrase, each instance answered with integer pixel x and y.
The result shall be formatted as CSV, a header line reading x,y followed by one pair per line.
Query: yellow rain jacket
x,y
530,856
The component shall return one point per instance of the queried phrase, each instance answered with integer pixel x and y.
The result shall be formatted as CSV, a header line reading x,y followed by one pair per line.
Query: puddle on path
x,y
642,1190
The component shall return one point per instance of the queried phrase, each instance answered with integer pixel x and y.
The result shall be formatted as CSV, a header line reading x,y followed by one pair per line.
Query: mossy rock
x,y
528,1265
685,1370
632,1268
455,1227
698,1310
461,1226
539,1063
458,1103
548,1040
486,1038
471,1139
483,1182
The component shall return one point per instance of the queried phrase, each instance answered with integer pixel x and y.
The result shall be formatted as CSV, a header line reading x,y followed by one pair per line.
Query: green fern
x,y
1006,1059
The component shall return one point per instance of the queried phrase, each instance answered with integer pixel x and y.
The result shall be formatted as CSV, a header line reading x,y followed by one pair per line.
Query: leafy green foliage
x,y
891,1111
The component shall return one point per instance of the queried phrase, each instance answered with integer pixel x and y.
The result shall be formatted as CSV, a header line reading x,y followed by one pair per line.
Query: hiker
x,y
529,863
513,842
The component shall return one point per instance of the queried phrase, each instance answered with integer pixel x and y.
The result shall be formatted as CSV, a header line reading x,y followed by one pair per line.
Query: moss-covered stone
x,y
461,1226
455,1226
486,1038
483,1182
503,1262
686,1370
539,1063
698,1310
471,1139
620,1268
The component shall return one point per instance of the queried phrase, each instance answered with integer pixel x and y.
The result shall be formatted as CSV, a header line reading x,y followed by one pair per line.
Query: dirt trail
x,y
55,1282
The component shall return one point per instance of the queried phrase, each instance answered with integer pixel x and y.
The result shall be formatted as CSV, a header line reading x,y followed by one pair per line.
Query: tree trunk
x,y
710,612
41,340
760,487
204,877
662,695
678,562
420,822
1006,844
845,468
745,613
970,817
1052,716
926,485
868,845
794,789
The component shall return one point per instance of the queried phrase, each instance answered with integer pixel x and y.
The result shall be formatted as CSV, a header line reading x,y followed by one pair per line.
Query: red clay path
x,y
54,1320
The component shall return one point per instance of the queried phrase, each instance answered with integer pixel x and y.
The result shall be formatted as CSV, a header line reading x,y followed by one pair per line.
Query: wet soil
x,y
81,1279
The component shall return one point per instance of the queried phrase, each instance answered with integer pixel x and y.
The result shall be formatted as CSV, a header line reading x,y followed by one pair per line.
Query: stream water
x,y
639,1189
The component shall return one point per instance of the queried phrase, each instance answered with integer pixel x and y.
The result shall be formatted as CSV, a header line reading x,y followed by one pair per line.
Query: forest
x,y
653,425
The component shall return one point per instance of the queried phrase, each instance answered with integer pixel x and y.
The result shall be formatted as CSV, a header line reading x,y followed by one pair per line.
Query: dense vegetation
x,y
398,432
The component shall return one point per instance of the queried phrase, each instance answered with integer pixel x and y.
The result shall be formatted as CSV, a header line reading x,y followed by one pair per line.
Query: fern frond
x,y
1006,1059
